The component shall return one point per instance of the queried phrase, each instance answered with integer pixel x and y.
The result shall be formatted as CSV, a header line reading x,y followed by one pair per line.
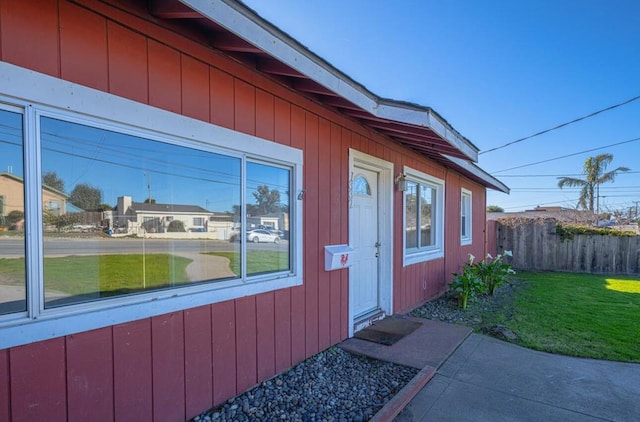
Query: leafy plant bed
x,y
482,312
585,315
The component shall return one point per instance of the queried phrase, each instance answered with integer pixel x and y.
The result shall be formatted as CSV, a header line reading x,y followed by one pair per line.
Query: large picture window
x,y
98,214
423,217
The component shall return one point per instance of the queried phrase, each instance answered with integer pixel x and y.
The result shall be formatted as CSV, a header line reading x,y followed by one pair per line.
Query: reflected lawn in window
x,y
12,285
76,279
259,262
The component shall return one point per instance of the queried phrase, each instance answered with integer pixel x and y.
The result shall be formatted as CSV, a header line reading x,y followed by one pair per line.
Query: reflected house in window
x,y
12,196
169,220
271,221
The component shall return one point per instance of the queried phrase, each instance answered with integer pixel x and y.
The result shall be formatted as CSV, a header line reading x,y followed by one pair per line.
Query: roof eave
x,y
475,171
243,22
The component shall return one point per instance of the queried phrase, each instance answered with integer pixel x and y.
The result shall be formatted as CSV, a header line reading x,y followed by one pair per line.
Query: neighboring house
x,y
273,221
141,217
205,101
12,196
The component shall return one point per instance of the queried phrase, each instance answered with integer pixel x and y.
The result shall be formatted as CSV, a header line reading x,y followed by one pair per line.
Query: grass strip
x,y
586,315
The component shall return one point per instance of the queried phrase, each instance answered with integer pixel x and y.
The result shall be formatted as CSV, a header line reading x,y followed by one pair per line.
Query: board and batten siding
x,y
174,366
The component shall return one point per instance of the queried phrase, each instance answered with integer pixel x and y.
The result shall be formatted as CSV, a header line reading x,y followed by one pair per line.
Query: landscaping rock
x,y
501,332
333,385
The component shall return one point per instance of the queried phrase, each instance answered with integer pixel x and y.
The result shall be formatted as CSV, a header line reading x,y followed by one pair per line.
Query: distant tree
x,y
267,201
176,226
104,207
594,175
86,197
51,179
14,217
65,220
149,201
495,208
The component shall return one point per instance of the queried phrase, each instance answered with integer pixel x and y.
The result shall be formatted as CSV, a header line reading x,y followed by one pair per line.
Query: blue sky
x,y
496,71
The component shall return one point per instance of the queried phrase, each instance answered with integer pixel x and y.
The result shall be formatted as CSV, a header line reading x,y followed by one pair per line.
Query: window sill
x,y
423,256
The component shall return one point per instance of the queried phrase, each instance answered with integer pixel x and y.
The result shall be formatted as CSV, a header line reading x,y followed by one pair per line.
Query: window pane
x,y
361,186
411,215
268,218
427,209
125,214
464,212
12,246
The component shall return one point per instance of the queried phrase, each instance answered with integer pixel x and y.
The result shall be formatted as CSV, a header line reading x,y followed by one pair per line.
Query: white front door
x,y
365,241
370,222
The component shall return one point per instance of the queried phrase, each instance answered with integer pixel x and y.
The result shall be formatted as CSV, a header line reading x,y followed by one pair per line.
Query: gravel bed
x,y
446,309
333,385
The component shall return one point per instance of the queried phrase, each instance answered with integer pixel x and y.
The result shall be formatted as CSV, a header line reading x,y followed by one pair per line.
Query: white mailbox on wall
x,y
337,257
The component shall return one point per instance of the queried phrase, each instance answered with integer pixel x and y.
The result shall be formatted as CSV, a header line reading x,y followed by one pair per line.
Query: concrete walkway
x,y
470,377
489,380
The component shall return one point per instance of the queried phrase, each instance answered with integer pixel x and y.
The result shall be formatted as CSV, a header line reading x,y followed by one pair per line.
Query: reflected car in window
x,y
259,235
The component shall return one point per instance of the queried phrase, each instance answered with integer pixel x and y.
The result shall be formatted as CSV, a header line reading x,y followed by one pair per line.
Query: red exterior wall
x,y
174,366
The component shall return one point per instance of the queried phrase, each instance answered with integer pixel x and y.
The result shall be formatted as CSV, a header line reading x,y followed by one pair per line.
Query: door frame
x,y
385,228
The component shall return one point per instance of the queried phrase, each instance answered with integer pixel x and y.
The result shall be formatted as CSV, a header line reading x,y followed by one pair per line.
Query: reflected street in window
x,y
124,214
12,213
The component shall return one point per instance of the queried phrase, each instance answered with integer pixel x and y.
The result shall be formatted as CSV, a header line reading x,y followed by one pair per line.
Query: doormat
x,y
388,330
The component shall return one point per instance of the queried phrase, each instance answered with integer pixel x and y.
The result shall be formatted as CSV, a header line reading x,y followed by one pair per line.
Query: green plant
x,y
468,284
496,272
567,232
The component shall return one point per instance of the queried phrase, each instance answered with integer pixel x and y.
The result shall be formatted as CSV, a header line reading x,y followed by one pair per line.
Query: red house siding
x,y
174,366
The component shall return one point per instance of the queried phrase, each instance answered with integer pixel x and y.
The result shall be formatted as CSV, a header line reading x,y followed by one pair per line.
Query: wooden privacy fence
x,y
536,246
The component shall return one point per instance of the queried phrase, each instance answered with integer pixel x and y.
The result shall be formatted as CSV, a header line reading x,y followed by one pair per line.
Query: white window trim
x,y
435,251
34,92
468,239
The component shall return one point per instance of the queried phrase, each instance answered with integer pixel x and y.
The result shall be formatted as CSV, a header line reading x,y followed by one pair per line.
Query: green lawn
x,y
258,262
583,315
108,274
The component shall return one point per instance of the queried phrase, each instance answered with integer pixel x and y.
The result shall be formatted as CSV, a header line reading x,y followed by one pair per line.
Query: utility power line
x,y
559,175
568,155
595,113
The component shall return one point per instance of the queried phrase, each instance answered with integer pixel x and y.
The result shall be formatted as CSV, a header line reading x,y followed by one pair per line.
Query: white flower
x,y
471,258
489,256
508,253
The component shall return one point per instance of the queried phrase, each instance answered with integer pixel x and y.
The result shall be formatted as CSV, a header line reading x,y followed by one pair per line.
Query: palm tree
x,y
594,175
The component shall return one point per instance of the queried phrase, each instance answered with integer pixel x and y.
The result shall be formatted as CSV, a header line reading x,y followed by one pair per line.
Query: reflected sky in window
x,y
121,164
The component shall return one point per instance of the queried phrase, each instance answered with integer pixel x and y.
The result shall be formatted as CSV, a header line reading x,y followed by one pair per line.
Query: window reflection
x,y
268,214
411,215
419,215
361,186
124,214
427,199
12,212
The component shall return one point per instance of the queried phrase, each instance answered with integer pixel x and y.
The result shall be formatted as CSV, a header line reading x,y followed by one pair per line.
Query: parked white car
x,y
260,235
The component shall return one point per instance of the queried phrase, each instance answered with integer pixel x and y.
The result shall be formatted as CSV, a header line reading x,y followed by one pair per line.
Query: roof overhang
x,y
418,127
475,173
236,30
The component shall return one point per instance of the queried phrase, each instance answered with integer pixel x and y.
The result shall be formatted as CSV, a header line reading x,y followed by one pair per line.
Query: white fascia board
x,y
256,31
491,181
427,118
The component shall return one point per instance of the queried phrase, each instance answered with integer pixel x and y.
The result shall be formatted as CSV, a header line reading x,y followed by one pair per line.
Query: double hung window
x,y
423,217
